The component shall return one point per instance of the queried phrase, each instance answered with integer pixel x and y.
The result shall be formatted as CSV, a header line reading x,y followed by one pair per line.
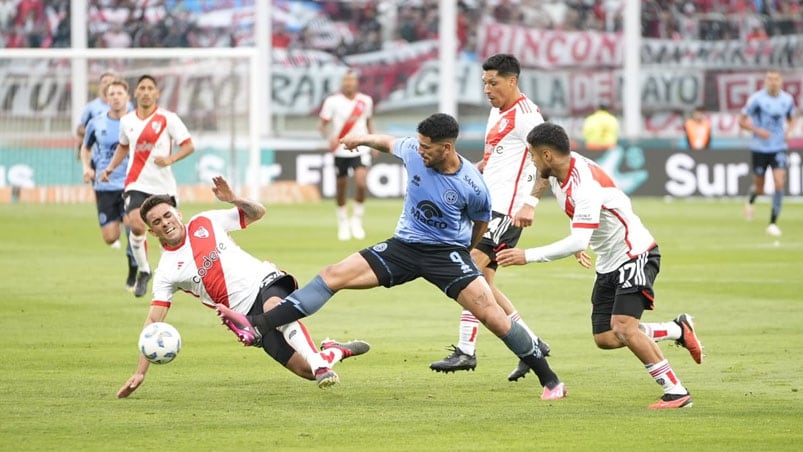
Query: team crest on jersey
x,y
379,247
502,124
201,233
156,126
450,197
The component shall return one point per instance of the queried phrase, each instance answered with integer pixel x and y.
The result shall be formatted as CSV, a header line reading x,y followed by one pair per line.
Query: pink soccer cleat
x,y
556,393
239,325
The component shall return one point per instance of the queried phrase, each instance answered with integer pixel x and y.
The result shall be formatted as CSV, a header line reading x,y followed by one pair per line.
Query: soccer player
x,y
348,112
201,258
98,106
147,135
627,258
446,211
770,116
100,142
509,173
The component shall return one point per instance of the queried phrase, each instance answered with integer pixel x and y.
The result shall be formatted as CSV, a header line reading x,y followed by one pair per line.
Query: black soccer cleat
x,y
454,362
522,369
141,286
131,280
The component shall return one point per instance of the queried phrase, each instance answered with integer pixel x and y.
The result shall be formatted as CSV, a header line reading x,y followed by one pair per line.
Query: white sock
x,y
115,245
358,210
661,331
515,317
296,334
342,214
469,327
140,251
664,375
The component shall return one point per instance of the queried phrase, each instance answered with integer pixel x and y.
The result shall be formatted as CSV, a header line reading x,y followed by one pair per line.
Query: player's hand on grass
x,y
130,386
222,190
524,217
511,256
583,259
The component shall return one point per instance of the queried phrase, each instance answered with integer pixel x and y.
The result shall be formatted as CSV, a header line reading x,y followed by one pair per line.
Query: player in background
x,y
509,173
446,211
147,135
97,107
627,263
348,111
769,115
100,142
200,258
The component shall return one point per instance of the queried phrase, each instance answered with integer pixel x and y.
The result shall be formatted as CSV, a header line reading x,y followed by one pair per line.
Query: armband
x,y
531,201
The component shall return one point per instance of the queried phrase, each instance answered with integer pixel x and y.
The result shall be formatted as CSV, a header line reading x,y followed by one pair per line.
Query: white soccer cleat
x,y
774,230
343,231
356,229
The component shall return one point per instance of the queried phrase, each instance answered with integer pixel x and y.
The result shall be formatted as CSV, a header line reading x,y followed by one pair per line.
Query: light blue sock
x,y
777,198
311,297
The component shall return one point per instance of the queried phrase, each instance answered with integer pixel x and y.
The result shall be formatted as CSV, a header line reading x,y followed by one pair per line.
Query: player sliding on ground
x,y
627,259
446,211
200,258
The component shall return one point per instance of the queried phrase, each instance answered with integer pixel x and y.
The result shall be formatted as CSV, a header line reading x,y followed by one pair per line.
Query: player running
x,y
627,258
200,258
147,135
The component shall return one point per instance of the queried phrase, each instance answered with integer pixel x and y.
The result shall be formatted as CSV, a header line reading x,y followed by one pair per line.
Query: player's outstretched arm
x,y
252,210
156,314
382,143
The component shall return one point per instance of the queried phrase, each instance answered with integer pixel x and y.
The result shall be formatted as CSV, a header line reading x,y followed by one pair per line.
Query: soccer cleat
x,y
522,369
774,230
239,325
688,338
349,349
454,362
556,393
356,229
672,401
131,280
141,285
326,377
343,231
748,212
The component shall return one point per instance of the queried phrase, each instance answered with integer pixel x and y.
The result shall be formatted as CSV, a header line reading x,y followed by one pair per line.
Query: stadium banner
x,y
290,176
734,88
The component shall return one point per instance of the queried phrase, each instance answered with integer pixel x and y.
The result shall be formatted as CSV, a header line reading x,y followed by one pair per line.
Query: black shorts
x,y
134,199
344,164
626,291
395,262
110,206
774,160
273,342
501,234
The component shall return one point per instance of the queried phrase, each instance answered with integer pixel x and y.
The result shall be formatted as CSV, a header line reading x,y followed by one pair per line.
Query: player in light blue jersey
x,y
97,107
446,212
100,142
770,116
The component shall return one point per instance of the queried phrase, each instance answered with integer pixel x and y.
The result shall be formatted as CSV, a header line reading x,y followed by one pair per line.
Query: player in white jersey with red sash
x,y
510,175
200,258
627,264
348,112
148,134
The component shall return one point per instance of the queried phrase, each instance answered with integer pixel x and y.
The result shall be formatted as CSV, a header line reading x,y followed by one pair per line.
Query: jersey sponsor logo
x,y
427,212
207,261
416,180
201,233
450,197
472,184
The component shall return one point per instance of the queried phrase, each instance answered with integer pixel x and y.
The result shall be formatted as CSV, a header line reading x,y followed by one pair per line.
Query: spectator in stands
x,y
600,130
698,130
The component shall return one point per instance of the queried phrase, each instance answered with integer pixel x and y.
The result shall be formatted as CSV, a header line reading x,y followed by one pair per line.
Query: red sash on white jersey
x,y
207,259
503,126
359,108
148,136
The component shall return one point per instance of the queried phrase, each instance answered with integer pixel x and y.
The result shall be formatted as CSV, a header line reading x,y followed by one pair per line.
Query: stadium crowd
x,y
349,27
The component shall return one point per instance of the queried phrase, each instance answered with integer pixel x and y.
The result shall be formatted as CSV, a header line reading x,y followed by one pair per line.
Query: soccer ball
x,y
159,342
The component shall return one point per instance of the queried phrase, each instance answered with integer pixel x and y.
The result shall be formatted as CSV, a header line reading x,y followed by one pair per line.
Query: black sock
x,y
545,374
282,314
752,198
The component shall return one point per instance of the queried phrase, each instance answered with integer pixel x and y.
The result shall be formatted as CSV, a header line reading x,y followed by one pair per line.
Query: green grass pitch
x,y
69,333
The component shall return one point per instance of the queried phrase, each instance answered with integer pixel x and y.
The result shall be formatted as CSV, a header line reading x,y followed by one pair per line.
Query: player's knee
x,y
624,328
607,340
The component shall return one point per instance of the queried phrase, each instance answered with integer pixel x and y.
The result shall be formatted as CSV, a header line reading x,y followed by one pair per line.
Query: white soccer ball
x,y
159,343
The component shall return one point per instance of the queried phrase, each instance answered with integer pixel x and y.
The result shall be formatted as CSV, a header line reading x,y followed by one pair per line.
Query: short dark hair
x,y
439,127
552,135
504,64
153,201
146,77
